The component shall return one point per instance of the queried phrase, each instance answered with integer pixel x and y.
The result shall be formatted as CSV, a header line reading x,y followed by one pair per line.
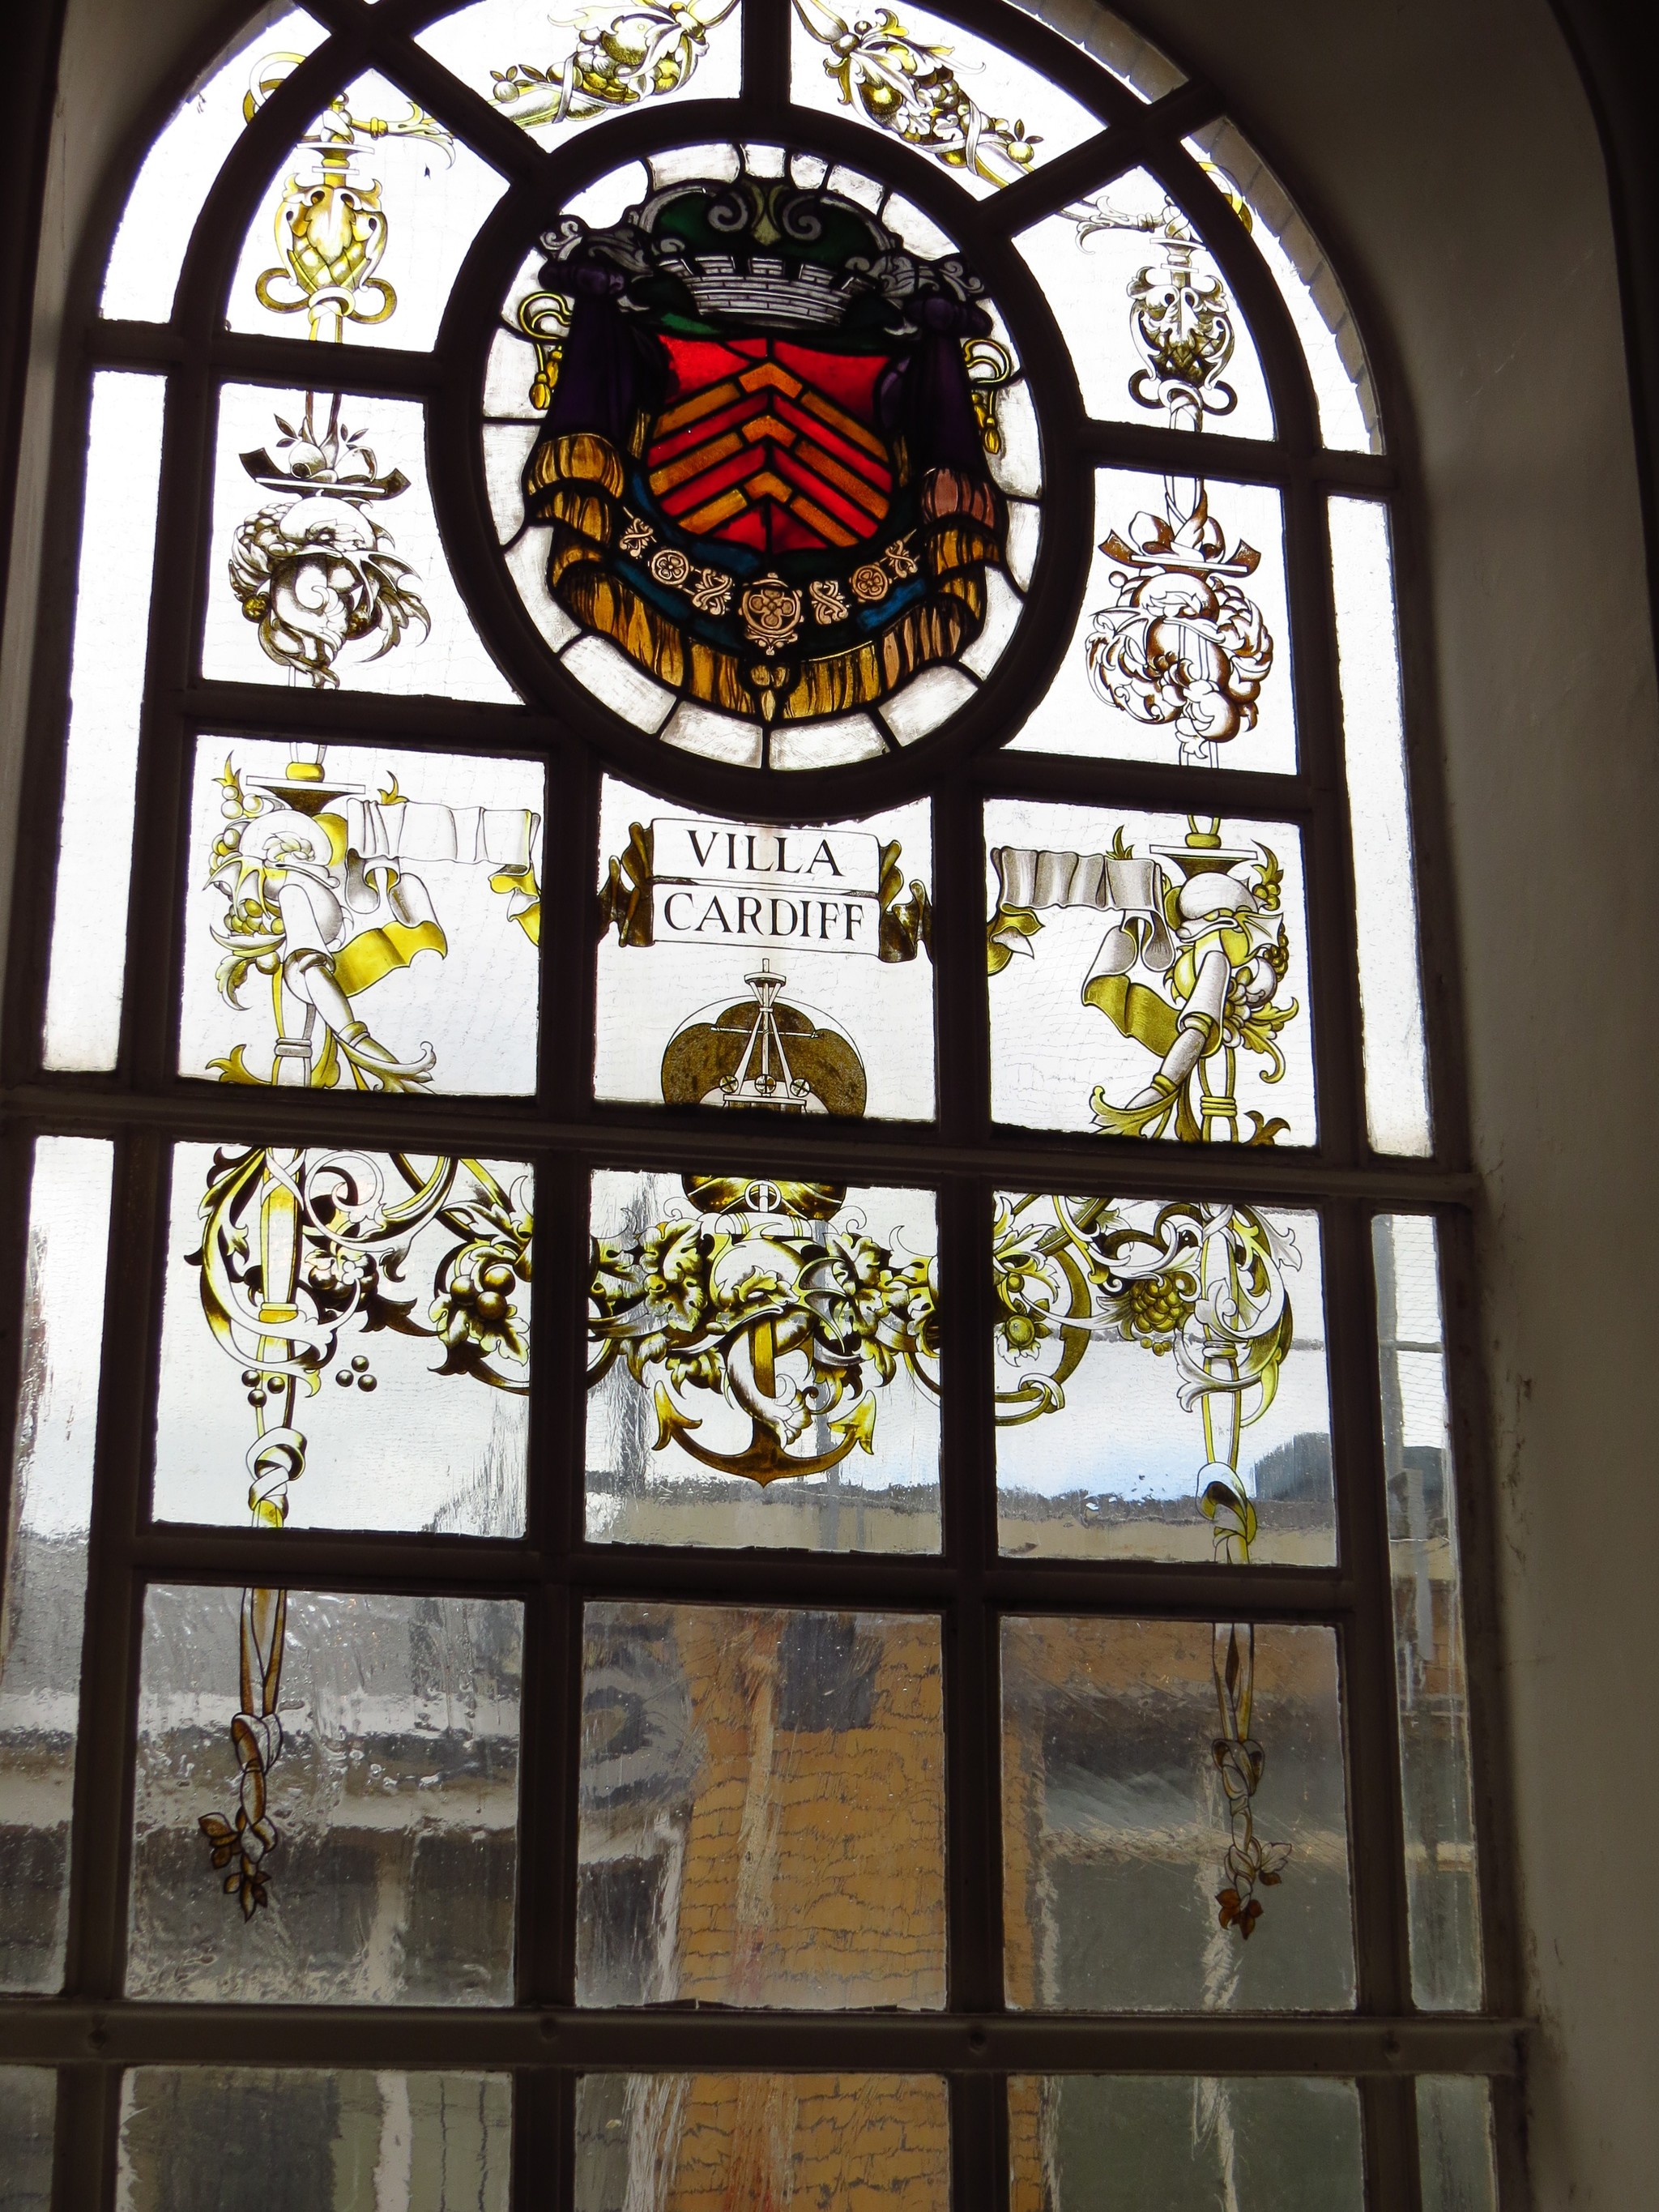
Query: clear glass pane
x,y
762,1813
1182,646
760,2140
326,563
763,1364
1154,332
345,1831
361,920
1159,2143
1148,975
345,1341
1443,1889
938,90
28,2112
1217,1446
106,688
550,74
1132,59
43,1601
1385,888
1173,1826
179,170
1331,343
744,964
196,2139
364,225
1453,2144
766,500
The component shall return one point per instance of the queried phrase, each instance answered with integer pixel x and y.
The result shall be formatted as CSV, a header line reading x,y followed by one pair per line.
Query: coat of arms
x,y
762,462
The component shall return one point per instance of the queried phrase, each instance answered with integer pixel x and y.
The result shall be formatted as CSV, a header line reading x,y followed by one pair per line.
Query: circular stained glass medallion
x,y
760,454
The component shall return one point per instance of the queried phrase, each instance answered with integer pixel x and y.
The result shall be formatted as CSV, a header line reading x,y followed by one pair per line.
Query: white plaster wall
x,y
1451,144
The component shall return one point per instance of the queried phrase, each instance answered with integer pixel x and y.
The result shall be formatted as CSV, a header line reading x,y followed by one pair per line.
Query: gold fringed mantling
x,y
573,483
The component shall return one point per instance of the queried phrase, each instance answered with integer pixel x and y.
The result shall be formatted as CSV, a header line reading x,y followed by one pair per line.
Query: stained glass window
x,y
737,1246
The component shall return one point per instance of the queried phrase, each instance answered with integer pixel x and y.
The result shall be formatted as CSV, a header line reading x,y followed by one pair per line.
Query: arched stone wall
x,y
1446,150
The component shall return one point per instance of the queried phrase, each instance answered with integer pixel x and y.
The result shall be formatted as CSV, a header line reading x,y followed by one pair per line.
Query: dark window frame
x,y
92,2032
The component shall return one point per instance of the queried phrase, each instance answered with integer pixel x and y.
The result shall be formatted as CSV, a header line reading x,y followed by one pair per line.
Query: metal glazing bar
x,y
438,1566
643,1137
705,2039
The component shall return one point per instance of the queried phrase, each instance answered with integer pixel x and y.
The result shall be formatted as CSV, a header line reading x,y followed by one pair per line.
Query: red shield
x,y
766,443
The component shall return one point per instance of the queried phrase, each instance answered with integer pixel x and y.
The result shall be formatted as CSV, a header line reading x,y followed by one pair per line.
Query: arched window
x,y
758,645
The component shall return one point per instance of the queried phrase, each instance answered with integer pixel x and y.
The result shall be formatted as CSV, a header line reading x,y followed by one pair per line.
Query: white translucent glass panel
x,y
43,1600
408,881
945,92
550,73
1159,2143
1148,975
372,149
179,170
762,1809
198,2137
1181,651
388,1859
744,964
1385,888
1105,38
1161,1388
763,1364
28,2114
1331,343
345,1341
1174,1822
1086,259
754,2140
106,687
1442,1893
773,547
1453,2143
326,568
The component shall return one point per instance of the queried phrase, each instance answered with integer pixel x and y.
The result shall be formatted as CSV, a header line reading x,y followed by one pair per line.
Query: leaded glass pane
x,y
28,2111
1128,2143
342,1831
1161,1390
951,94
1453,2144
831,2140
755,965
1324,322
1181,651
551,75
364,920
106,690
366,223
196,2139
1154,332
763,1364
1443,1892
1107,38
326,563
143,269
43,1599
1148,975
762,1816
345,1340
1174,1830
1384,880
